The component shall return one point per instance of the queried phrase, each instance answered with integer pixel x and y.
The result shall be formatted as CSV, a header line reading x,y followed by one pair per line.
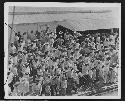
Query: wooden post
x,y
11,31
12,24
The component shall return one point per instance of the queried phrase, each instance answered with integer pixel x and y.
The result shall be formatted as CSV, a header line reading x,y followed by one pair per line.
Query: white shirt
x,y
15,60
27,70
55,64
10,77
90,73
34,45
13,49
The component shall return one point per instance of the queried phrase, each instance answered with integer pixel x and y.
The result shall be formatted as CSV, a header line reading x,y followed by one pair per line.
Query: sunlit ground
x,y
114,93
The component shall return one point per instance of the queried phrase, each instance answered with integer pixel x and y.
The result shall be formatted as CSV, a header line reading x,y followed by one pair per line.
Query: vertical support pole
x,y
11,30
12,23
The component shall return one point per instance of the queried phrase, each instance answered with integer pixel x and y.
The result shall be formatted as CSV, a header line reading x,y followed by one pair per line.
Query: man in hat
x,y
63,85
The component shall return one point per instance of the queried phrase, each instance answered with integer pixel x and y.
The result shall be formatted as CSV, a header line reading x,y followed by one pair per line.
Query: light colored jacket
x,y
64,83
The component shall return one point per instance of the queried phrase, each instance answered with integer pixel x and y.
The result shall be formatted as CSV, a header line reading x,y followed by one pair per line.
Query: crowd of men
x,y
58,64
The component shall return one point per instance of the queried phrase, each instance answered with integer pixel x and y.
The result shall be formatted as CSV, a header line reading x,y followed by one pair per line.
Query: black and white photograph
x,y
62,50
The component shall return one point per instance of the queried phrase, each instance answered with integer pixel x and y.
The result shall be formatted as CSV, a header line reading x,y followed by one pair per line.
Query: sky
x,y
80,21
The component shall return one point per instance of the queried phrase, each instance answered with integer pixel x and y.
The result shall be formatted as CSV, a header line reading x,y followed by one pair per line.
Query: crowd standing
x,y
58,64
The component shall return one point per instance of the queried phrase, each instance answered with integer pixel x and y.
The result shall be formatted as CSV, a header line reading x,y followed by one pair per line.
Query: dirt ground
x,y
114,93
